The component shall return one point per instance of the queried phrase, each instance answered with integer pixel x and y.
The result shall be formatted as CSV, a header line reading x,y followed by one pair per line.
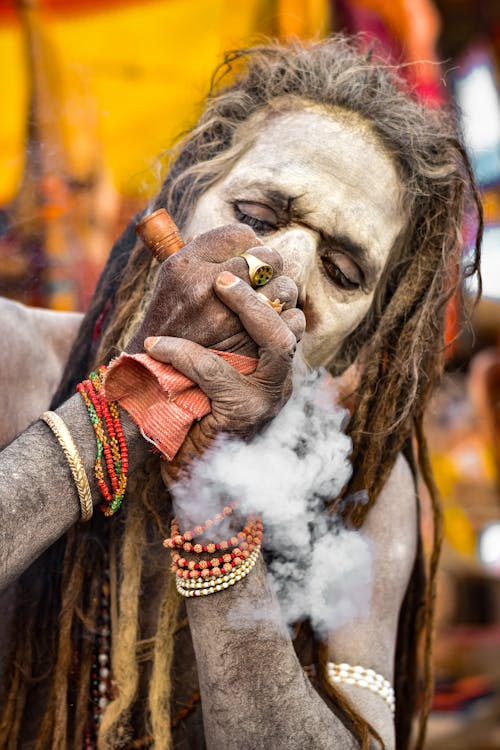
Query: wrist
x,y
139,449
75,415
192,516
199,439
207,566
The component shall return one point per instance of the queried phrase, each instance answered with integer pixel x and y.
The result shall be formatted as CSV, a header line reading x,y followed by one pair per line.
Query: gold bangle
x,y
70,450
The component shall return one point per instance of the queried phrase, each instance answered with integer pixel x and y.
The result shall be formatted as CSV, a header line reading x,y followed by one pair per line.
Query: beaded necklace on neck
x,y
100,676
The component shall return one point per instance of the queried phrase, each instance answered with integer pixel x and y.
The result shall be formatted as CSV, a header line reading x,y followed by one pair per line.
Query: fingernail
x,y
150,341
227,279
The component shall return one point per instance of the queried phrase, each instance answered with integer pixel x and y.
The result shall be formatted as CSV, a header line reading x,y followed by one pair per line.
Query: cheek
x,y
328,325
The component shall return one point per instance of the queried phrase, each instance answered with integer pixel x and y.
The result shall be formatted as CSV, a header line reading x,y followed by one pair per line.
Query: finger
x,y
296,321
212,373
261,322
222,243
283,288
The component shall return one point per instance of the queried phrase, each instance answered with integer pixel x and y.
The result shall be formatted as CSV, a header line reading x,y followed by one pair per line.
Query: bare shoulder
x,y
391,528
41,320
370,641
37,343
392,522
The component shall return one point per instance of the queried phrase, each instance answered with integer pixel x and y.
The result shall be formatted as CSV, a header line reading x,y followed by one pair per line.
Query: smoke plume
x,y
319,569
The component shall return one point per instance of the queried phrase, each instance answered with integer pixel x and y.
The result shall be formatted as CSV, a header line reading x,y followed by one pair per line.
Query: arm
x,y
251,682
38,343
370,642
38,496
248,662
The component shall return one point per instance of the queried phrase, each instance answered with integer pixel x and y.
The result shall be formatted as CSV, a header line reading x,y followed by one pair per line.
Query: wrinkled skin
x,y
344,216
36,344
266,389
194,291
333,215
343,189
317,187
184,303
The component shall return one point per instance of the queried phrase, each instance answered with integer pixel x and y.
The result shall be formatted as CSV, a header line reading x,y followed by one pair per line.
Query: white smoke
x,y
319,569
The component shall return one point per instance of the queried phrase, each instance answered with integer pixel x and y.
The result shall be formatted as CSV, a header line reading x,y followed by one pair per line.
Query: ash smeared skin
x,y
250,679
339,180
254,691
249,676
343,182
36,344
38,499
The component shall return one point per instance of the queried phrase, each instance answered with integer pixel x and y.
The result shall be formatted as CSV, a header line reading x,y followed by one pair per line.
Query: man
x,y
355,196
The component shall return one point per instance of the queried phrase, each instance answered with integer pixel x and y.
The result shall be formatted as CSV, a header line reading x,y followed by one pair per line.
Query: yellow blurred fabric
x,y
127,80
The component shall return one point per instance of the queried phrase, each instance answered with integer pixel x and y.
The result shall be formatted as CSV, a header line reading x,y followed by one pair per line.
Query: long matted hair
x,y
403,356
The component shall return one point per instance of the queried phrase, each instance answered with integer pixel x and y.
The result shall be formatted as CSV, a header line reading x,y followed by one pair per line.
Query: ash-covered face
x,y
319,187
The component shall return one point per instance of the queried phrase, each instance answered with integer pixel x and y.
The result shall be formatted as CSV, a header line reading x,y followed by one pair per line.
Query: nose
x,y
298,249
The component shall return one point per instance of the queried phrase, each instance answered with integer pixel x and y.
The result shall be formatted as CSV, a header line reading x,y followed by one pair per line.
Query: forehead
x,y
334,169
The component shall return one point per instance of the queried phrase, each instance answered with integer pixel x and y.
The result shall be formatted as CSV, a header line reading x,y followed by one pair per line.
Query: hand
x,y
241,405
184,304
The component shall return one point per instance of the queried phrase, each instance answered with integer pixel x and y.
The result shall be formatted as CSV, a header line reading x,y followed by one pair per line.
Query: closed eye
x,y
261,218
342,270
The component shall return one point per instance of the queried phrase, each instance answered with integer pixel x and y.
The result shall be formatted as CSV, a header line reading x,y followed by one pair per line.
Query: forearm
x,y
38,496
252,685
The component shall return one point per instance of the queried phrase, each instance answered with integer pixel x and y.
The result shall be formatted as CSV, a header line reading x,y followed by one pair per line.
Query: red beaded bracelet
x,y
110,440
216,571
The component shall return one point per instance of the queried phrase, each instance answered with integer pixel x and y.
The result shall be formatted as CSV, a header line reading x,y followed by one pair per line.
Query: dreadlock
x,y
399,346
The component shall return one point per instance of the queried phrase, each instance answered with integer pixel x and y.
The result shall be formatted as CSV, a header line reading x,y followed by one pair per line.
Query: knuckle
x,y
268,255
286,289
296,320
194,248
227,241
208,367
239,235
174,266
286,343
253,306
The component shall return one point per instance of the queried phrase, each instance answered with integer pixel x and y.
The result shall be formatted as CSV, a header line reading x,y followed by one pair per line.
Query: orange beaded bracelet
x,y
238,551
225,563
179,540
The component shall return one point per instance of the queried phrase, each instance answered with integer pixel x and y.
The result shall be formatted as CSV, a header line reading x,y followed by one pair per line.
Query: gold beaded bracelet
x,y
365,678
189,588
75,463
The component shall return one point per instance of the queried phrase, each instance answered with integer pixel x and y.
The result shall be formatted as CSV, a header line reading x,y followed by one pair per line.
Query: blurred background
x,y
95,91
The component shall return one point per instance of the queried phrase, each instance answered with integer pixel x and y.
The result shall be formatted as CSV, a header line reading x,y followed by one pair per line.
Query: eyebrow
x,y
355,250
359,253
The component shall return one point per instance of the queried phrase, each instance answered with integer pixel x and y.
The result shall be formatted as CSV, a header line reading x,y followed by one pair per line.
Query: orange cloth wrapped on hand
x,y
162,402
